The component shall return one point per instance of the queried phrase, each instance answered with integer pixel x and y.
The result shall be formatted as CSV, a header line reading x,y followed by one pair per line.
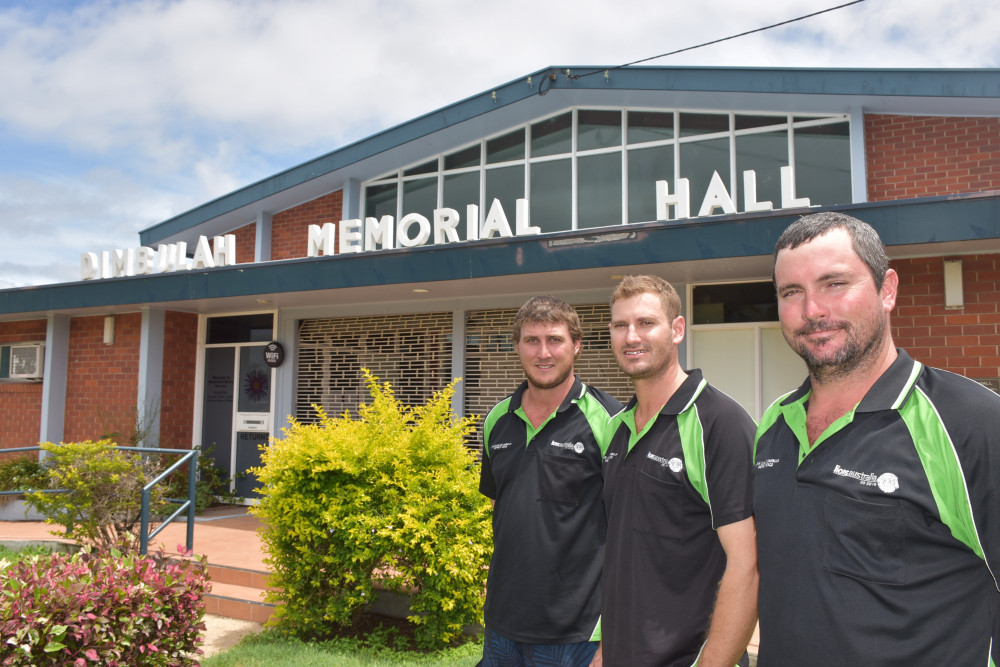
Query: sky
x,y
118,115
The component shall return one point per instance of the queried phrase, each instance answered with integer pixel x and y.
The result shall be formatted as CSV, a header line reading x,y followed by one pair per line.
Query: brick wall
x,y
246,243
20,414
290,229
180,349
924,156
20,402
102,380
964,341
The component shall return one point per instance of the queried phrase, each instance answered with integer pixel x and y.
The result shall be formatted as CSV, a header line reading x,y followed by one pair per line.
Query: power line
x,y
714,41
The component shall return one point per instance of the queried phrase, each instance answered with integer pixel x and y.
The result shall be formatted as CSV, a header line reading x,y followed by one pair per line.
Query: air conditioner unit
x,y
27,362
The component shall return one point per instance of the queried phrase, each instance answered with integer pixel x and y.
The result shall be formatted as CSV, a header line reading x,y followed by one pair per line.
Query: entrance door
x,y
236,409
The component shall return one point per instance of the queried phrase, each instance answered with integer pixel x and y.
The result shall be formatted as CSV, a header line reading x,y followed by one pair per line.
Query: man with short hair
x,y
877,481
542,471
680,568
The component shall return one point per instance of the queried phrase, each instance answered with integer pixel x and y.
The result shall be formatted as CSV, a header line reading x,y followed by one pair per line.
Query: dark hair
x,y
550,310
864,240
635,285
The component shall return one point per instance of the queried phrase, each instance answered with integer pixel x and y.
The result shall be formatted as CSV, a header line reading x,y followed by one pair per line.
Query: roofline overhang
x,y
917,223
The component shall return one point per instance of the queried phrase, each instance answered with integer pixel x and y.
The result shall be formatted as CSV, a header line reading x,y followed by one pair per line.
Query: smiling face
x,y
831,312
547,352
643,337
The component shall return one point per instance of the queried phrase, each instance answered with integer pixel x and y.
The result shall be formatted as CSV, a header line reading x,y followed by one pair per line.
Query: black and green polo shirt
x,y
666,490
878,545
548,522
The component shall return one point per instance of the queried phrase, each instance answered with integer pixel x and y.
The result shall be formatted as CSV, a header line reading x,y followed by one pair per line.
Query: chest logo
x,y
675,464
767,463
500,445
886,482
575,446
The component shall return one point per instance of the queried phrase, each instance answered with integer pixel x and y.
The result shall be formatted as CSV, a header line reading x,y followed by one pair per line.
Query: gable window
x,y
588,168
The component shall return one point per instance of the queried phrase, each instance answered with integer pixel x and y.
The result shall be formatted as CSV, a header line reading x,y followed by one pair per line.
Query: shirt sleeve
x,y
729,435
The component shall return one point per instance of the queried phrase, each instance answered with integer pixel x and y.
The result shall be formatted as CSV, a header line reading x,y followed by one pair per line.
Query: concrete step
x,y
238,593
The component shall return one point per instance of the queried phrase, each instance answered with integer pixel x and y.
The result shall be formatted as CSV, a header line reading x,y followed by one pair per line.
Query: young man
x,y
542,470
878,480
680,568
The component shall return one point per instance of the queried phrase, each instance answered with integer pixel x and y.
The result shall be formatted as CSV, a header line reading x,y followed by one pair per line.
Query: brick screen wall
x,y
412,352
965,341
290,229
20,402
102,380
925,156
493,370
180,350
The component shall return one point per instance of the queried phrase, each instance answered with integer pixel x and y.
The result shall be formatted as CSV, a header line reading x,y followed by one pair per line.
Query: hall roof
x,y
965,92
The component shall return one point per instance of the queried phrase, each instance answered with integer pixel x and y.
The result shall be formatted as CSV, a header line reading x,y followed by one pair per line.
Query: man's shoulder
x,y
609,403
718,404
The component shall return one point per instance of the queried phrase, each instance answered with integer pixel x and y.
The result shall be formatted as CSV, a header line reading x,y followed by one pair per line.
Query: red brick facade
x,y
246,243
964,341
21,402
180,348
290,229
102,380
926,156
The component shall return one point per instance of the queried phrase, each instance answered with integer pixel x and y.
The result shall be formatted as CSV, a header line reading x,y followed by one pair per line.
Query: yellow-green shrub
x,y
390,499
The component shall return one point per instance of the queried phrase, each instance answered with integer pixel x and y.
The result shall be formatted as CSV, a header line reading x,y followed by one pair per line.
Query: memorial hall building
x,y
407,253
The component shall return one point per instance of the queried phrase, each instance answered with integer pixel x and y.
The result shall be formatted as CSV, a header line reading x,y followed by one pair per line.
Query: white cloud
x,y
185,100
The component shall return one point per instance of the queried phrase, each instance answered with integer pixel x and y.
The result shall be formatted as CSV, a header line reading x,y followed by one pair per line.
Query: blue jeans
x,y
502,652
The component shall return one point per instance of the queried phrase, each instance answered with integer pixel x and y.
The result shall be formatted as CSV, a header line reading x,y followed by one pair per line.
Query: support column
x,y
53,420
150,380
458,361
262,247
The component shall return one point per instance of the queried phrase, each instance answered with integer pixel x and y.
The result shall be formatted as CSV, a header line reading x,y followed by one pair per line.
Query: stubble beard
x,y
854,355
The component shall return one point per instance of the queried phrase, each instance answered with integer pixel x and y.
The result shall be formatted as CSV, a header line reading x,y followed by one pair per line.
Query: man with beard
x,y
877,492
542,470
680,568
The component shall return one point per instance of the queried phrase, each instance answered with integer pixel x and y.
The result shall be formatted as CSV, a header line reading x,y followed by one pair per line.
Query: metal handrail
x,y
144,535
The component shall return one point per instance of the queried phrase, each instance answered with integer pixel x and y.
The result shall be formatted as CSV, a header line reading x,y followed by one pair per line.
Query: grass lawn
x,y
267,649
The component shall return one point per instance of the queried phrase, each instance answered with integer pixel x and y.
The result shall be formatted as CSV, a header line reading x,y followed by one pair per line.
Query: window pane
x,y
645,167
698,160
599,190
506,148
734,302
764,154
703,123
240,329
598,129
420,196
644,126
551,184
425,168
468,157
507,185
747,122
552,136
823,164
460,190
380,200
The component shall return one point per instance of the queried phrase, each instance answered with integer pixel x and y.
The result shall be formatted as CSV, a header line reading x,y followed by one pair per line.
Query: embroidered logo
x,y
609,456
767,463
675,464
886,482
500,445
575,446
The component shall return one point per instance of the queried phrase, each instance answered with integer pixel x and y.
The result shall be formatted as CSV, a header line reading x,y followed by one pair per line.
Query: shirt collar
x,y
889,391
683,397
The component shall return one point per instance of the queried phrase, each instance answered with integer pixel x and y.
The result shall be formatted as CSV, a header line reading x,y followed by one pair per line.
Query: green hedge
x,y
389,500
